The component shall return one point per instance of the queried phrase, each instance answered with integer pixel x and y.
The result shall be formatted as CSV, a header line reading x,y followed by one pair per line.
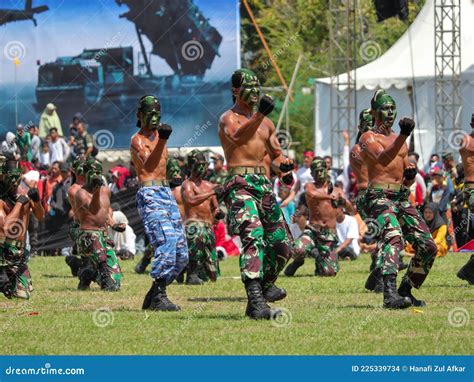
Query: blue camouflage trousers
x,y
164,228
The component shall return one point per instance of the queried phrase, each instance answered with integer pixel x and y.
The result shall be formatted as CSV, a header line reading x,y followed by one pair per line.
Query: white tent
x,y
409,62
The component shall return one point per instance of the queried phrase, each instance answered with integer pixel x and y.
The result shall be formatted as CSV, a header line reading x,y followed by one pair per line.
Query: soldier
x,y
386,200
201,208
467,156
247,135
319,239
92,209
156,204
219,174
16,205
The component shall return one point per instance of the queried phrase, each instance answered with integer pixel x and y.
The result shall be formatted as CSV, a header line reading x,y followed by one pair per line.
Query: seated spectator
x,y
439,191
437,226
123,236
348,236
58,148
299,220
303,174
287,207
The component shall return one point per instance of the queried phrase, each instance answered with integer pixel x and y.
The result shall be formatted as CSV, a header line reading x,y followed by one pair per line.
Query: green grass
x,y
328,316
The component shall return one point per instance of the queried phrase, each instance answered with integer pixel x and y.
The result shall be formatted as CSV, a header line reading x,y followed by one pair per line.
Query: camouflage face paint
x,y
92,170
200,168
385,108
150,110
319,170
249,88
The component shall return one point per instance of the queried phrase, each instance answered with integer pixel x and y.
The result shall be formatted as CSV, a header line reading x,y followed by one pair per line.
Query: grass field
x,y
322,316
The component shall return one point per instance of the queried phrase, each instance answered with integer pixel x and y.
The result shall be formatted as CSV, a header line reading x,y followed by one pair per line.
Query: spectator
x,y
219,173
303,175
9,147
122,173
48,120
51,181
439,191
83,144
113,182
419,187
76,119
123,236
437,227
58,148
23,141
333,173
35,142
45,156
434,162
348,236
31,180
299,220
289,208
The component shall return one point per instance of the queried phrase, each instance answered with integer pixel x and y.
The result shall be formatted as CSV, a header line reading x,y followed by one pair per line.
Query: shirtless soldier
x,y
16,205
390,176
92,209
201,209
156,204
319,239
467,156
246,135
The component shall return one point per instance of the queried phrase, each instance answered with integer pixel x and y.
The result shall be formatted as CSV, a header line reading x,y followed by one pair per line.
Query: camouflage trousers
x,y
14,268
325,241
96,248
202,246
255,216
395,219
360,203
74,230
164,228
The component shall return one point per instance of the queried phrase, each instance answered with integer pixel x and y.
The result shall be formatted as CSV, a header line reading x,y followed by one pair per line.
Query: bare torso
x,y
17,228
321,211
203,211
359,167
87,219
467,156
141,147
252,153
392,172
179,200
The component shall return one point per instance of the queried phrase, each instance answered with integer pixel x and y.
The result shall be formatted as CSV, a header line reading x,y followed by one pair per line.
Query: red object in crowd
x,y
221,241
122,173
468,247
26,166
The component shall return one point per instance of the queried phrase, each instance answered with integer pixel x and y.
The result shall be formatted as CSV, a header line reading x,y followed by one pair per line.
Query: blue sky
x,y
70,26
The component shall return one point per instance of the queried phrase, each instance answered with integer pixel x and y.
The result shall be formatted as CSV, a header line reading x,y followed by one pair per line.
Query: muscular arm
x,y
150,161
38,210
191,197
377,152
240,134
316,194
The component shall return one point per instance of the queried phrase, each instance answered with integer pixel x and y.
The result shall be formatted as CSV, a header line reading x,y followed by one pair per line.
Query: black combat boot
x,y
191,274
374,282
291,269
180,277
257,308
5,284
391,298
272,293
404,290
86,275
107,283
143,263
156,298
74,263
467,271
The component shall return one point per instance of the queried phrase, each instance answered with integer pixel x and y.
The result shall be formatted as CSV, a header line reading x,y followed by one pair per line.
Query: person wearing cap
x,y
393,218
219,174
247,135
156,204
16,205
201,210
49,119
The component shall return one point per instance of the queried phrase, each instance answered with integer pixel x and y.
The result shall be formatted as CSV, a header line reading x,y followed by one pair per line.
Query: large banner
x,y
98,57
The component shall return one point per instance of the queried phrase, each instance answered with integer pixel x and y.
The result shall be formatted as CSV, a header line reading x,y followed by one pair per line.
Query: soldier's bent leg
x,y
327,263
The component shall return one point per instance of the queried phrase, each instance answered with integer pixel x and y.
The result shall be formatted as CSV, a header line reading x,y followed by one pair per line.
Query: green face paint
x,y
200,168
385,108
150,111
319,170
92,169
249,87
366,121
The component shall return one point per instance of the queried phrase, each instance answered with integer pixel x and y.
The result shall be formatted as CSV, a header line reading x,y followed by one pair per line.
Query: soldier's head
x,y
384,109
197,163
246,88
77,169
173,172
92,169
10,176
319,170
149,112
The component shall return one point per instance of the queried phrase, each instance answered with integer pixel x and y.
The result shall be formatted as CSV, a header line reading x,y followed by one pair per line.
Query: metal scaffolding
x,y
447,19
342,59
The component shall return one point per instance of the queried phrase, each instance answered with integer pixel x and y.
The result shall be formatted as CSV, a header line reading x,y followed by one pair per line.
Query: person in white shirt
x,y
348,234
35,142
123,236
58,148
303,175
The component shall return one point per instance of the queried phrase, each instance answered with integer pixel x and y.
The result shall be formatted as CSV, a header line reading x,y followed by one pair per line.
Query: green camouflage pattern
x,y
360,203
95,246
255,216
396,219
202,247
325,241
15,262
219,177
